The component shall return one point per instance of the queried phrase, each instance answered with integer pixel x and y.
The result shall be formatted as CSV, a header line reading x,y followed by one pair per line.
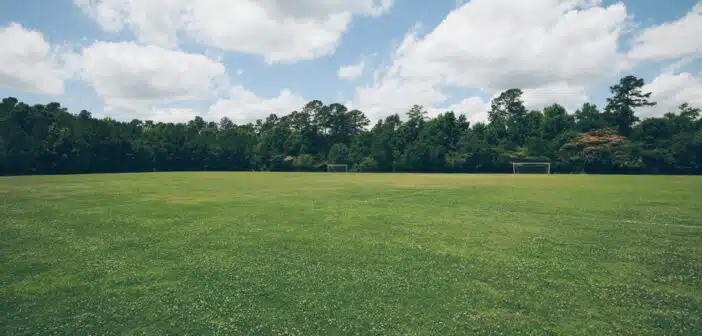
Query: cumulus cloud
x,y
130,76
552,49
670,40
243,106
172,114
520,44
317,8
351,72
670,90
570,97
474,108
280,30
28,62
393,94
153,21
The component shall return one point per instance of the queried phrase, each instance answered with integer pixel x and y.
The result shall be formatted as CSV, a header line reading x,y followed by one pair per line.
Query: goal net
x,y
337,168
531,167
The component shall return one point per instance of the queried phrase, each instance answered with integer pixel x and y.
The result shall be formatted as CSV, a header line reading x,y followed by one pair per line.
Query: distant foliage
x,y
602,151
368,164
47,139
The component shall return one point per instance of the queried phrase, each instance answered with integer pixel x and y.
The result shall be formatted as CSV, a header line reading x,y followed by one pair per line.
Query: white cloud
x,y
28,62
317,8
680,38
474,108
570,97
351,72
552,49
132,77
152,21
279,30
243,106
670,90
520,44
390,95
172,114
247,26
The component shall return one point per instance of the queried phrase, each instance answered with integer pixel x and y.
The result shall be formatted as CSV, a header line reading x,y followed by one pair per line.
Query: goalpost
x,y
337,168
531,167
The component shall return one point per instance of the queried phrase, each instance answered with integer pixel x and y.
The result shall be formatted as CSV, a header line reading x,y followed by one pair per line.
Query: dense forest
x,y
47,139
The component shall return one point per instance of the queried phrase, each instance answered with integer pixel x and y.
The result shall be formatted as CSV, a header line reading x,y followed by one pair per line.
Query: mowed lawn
x,y
350,254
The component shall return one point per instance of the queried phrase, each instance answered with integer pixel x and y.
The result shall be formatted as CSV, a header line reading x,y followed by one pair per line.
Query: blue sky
x,y
244,59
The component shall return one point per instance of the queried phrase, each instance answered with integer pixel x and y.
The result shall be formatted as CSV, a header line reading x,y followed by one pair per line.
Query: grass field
x,y
365,254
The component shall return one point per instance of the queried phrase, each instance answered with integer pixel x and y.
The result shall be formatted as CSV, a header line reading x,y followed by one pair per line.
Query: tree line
x,y
47,139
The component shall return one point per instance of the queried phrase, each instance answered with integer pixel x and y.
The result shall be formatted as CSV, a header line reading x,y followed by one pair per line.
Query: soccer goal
x,y
531,167
338,168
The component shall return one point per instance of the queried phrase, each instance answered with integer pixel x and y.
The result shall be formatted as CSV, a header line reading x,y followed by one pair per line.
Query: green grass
x,y
362,254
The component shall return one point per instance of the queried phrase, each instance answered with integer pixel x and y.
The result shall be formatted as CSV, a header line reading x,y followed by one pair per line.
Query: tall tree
x,y
588,118
507,113
556,121
507,106
626,97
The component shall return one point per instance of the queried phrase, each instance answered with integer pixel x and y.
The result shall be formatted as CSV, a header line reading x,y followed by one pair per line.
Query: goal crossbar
x,y
335,167
517,165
